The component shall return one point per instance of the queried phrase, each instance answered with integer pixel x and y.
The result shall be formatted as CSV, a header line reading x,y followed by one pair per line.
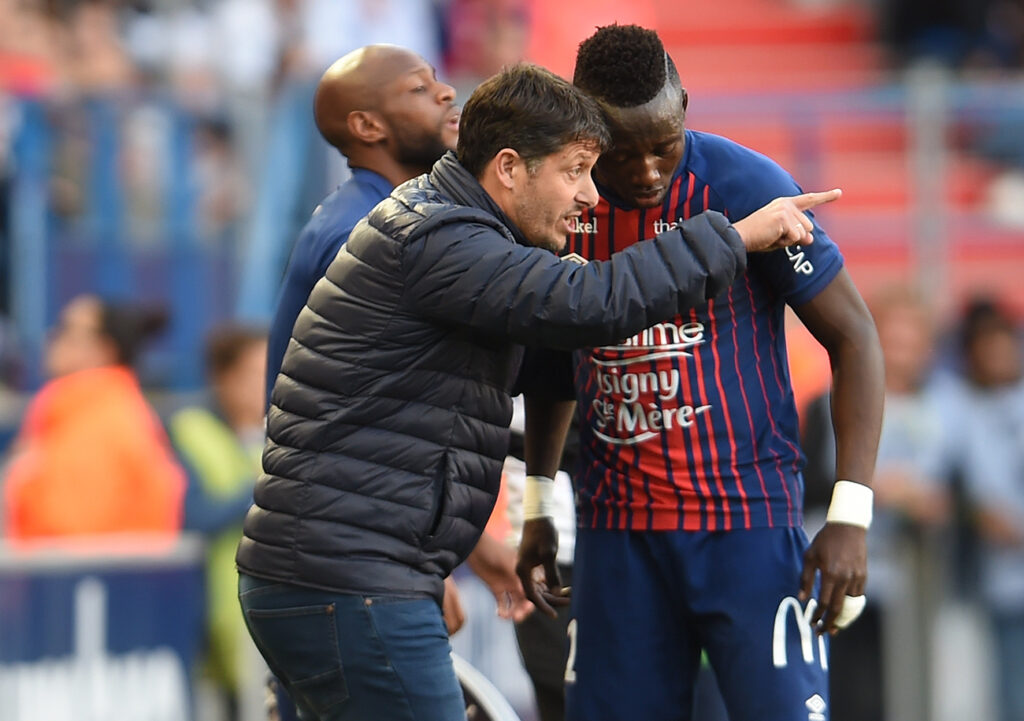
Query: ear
x,y
366,126
507,166
685,99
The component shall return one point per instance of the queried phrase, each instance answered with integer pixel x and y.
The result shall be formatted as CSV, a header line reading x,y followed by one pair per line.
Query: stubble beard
x,y
421,151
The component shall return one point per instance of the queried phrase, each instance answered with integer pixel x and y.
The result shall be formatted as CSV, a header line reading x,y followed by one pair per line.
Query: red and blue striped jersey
x,y
691,424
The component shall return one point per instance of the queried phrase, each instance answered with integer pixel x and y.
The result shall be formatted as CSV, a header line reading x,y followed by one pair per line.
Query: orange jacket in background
x,y
92,458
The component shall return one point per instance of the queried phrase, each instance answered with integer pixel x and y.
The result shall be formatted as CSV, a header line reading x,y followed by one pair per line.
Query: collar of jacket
x,y
459,184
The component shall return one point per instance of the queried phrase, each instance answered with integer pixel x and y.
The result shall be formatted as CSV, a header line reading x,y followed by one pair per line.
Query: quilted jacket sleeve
x,y
469,273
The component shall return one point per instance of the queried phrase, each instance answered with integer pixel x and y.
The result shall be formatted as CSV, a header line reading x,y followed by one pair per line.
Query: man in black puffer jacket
x,y
389,422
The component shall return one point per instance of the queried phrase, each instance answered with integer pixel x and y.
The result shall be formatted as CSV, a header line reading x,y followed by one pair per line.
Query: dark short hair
x,y
128,326
532,111
984,316
226,343
623,65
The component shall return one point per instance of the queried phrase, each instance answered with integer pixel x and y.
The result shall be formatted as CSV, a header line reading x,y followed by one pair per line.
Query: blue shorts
x,y
646,603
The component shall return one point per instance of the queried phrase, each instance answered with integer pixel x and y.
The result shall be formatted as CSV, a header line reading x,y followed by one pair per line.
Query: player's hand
x,y
451,608
537,550
783,222
839,554
495,564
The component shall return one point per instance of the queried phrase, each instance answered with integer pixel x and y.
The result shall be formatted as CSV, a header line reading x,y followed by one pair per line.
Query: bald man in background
x,y
383,108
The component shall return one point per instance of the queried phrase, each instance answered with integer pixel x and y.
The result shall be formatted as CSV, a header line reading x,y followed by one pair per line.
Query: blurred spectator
x,y
329,29
220,182
98,62
957,33
1006,28
991,423
912,460
8,123
91,456
483,36
32,48
191,48
911,492
221,442
252,29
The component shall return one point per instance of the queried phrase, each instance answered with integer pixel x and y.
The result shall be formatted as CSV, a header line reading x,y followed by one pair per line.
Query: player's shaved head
x,y
626,69
624,66
356,82
383,107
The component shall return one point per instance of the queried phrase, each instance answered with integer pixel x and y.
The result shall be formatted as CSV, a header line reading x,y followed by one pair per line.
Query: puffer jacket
x,y
389,421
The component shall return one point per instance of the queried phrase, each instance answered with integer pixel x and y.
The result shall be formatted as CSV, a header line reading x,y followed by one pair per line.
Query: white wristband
x,y
538,497
851,504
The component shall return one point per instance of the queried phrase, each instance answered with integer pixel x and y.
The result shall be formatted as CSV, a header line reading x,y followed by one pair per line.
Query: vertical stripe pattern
x,y
678,422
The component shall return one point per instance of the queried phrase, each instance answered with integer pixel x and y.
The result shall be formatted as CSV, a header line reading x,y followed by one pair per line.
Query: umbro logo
x,y
575,258
815,708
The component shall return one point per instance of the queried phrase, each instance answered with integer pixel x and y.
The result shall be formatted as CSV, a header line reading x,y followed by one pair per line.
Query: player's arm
x,y
547,424
841,322
546,382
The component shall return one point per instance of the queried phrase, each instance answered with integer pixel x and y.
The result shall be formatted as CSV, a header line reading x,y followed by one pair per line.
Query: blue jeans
x,y
349,657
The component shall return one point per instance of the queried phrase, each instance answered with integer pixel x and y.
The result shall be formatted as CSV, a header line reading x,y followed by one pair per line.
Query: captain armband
x,y
538,497
851,504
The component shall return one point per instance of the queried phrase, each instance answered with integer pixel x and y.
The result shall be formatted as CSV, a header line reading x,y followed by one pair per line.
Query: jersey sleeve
x,y
798,273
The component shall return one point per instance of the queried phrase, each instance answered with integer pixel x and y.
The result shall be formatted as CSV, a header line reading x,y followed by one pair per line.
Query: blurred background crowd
x,y
158,157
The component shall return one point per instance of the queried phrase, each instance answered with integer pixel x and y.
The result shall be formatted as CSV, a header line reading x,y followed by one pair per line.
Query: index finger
x,y
824,599
551,575
812,200
807,580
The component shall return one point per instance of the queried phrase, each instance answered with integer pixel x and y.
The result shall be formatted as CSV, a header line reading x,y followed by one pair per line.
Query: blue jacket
x,y
389,421
314,249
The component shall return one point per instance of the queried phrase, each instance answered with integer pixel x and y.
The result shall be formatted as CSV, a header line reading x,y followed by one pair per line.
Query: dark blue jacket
x,y
314,249
389,420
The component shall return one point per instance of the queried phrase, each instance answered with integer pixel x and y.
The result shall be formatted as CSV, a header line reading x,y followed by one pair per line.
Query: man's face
x,y
550,196
647,145
78,341
421,114
907,344
994,358
239,388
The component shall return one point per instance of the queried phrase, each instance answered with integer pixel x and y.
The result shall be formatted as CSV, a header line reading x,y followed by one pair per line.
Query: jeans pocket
x,y
301,645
